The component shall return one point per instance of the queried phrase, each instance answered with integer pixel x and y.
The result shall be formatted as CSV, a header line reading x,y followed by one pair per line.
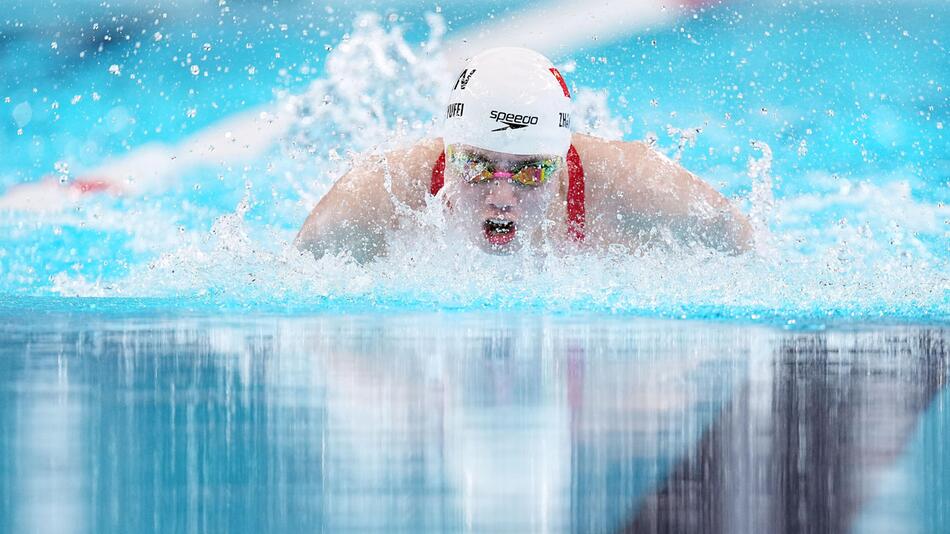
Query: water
x,y
168,362
843,169
472,421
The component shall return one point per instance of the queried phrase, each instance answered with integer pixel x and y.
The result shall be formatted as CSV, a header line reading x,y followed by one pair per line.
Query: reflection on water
x,y
450,422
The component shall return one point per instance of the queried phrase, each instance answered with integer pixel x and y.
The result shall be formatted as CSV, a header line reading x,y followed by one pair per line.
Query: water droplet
x,y
803,148
115,70
54,45
195,70
206,47
191,113
158,36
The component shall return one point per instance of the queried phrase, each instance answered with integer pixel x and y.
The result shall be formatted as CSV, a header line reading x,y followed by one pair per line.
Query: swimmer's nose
x,y
501,194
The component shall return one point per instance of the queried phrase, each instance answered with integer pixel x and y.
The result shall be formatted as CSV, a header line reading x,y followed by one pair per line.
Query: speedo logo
x,y
512,121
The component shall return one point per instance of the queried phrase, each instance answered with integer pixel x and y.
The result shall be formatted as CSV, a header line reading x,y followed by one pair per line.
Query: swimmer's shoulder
x,y
597,151
610,167
411,170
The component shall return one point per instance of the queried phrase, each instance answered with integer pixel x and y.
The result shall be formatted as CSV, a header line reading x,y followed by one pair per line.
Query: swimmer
x,y
512,174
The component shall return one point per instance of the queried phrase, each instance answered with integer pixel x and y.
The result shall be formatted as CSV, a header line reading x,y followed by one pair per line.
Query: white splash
x,y
380,91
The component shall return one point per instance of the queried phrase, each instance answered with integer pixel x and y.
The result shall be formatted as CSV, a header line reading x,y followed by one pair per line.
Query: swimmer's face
x,y
499,199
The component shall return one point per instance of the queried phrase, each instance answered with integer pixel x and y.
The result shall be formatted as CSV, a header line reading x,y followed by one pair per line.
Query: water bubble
x,y
195,70
191,113
54,45
206,47
115,70
22,114
157,36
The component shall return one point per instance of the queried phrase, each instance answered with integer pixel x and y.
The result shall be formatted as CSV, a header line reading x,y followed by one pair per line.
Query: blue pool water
x,y
838,111
471,421
168,362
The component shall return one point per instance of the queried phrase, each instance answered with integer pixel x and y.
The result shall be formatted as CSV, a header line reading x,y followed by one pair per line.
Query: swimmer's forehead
x,y
501,156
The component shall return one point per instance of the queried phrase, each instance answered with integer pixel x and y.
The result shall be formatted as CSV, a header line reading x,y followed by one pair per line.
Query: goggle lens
x,y
474,169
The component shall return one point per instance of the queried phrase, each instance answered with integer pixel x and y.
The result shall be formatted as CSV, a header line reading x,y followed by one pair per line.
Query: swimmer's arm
x,y
661,190
360,207
352,217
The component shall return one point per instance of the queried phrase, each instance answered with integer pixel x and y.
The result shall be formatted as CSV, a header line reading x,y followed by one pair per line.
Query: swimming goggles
x,y
479,169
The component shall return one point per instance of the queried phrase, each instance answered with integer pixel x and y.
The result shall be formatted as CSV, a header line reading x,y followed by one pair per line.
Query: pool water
x,y
169,362
468,421
840,162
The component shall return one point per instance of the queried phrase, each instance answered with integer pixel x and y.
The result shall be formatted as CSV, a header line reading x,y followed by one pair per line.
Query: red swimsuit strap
x,y
575,195
575,190
438,175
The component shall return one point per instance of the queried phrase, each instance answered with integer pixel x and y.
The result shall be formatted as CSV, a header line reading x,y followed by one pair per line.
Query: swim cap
x,y
510,100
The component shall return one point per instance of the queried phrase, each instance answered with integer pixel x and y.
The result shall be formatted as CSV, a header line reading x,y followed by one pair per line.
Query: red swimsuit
x,y
575,190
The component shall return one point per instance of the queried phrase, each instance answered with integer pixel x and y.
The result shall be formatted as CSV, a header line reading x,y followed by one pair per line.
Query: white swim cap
x,y
510,100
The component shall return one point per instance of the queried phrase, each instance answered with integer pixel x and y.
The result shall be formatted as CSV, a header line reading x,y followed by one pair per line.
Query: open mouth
x,y
499,231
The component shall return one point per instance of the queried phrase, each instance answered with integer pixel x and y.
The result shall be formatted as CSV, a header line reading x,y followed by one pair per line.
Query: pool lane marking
x,y
239,138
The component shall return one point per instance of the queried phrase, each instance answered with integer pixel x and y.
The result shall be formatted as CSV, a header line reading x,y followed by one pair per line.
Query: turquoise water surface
x,y
170,363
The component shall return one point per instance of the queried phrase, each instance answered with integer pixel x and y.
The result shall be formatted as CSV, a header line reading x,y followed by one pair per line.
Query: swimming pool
x,y
842,162
468,421
168,362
